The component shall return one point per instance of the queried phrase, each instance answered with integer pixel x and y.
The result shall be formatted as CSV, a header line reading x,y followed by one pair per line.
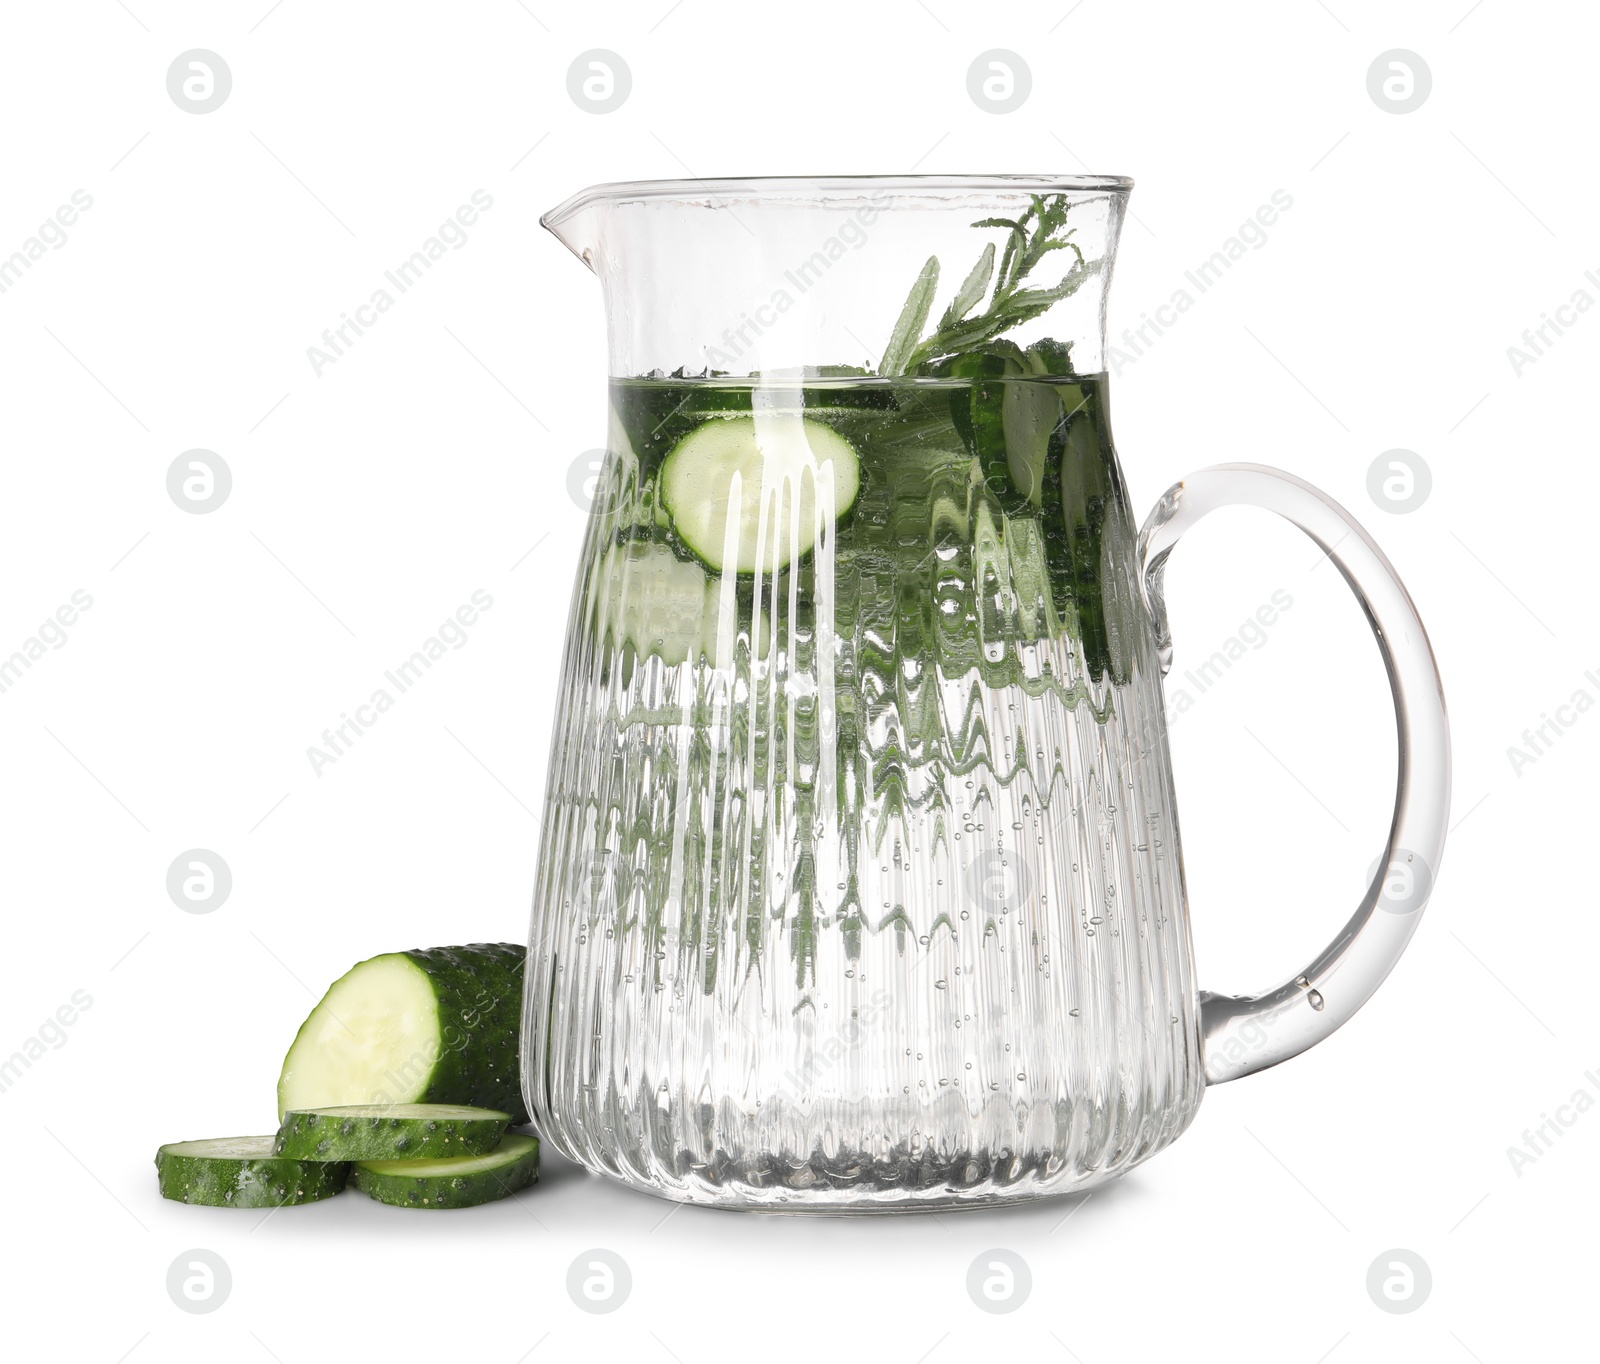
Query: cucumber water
x,y
804,736
992,489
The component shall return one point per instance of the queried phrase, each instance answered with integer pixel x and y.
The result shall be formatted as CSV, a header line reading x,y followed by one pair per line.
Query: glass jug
x,y
859,885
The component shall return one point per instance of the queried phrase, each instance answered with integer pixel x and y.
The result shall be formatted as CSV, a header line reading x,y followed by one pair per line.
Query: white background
x,y
368,503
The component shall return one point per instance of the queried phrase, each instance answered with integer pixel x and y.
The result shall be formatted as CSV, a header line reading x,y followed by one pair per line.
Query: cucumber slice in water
x,y
717,480
460,1183
998,422
390,1132
643,595
437,1026
243,1172
1029,415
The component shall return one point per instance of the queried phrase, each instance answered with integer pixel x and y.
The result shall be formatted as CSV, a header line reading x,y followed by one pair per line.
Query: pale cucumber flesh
x,y
375,1035
462,1182
754,493
511,1150
436,1025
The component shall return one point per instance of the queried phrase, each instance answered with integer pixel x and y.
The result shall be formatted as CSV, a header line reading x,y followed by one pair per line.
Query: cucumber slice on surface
x,y
390,1132
460,1183
716,481
243,1172
437,1026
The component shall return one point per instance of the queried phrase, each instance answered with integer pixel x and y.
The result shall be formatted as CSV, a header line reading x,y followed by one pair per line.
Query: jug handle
x,y
1243,1034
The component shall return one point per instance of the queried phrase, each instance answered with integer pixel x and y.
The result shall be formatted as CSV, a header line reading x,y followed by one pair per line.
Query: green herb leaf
x,y
1040,229
971,292
913,317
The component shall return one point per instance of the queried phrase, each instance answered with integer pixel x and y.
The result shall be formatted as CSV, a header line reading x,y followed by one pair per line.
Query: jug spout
x,y
575,224
757,277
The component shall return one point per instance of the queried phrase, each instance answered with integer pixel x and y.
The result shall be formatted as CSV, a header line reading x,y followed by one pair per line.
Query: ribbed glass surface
x,y
859,884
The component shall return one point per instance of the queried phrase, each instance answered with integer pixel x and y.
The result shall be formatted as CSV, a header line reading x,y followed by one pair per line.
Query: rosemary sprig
x,y
913,317
1041,229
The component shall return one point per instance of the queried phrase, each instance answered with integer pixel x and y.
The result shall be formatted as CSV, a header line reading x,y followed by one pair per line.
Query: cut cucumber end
x,y
756,492
437,1025
374,1037
390,1131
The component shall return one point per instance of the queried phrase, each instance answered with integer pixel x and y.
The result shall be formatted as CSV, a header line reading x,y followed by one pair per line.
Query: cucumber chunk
x,y
463,1182
390,1132
437,1026
243,1172
717,482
